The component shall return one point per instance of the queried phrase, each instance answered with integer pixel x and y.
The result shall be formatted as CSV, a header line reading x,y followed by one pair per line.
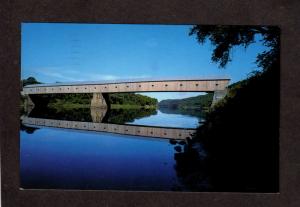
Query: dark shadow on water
x,y
191,168
77,114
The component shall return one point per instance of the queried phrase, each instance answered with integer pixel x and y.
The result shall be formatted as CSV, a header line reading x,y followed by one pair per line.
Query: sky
x,y
65,52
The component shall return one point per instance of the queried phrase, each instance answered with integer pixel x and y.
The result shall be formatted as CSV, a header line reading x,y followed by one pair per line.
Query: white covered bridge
x,y
100,89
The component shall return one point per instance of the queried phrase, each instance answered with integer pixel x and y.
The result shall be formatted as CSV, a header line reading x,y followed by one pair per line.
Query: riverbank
x,y
241,135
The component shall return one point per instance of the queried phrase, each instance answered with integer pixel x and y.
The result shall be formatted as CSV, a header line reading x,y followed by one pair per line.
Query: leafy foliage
x,y
29,81
84,99
75,98
241,132
201,101
224,38
131,99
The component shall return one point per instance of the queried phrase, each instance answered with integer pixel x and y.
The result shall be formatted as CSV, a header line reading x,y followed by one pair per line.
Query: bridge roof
x,y
129,81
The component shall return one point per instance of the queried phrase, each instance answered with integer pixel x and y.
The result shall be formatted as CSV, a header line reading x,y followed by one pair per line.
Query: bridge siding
x,y
153,86
168,133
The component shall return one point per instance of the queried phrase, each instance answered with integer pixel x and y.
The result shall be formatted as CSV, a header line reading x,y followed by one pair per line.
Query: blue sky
x,y
62,52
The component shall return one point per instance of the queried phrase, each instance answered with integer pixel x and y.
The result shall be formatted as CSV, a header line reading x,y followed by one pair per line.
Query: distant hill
x,y
201,101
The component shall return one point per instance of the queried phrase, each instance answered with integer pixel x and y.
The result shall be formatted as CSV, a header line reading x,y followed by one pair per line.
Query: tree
x,y
241,133
29,81
224,38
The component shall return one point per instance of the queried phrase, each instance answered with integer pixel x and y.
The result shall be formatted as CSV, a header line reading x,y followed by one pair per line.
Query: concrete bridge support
x,y
100,100
28,105
218,95
98,114
28,102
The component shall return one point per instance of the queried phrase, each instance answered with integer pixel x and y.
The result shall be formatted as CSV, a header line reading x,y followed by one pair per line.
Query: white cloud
x,y
95,77
65,75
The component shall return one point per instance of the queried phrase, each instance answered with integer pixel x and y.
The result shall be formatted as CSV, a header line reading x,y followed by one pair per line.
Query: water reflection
x,y
168,120
200,114
126,158
114,116
99,120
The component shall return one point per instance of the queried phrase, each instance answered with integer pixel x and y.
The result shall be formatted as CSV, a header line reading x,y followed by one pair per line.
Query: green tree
x,y
29,81
225,38
240,135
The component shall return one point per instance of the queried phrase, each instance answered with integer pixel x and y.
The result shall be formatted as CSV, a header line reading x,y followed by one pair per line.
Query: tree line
x,y
197,102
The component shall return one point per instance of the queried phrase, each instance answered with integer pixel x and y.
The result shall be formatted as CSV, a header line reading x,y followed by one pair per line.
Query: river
x,y
63,156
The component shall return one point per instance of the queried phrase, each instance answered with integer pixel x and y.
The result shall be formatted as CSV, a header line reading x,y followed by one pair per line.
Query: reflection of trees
x,y
191,167
121,116
76,114
190,112
115,116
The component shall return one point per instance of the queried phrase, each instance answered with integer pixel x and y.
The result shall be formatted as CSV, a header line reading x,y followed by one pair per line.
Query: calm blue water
x,y
71,159
168,120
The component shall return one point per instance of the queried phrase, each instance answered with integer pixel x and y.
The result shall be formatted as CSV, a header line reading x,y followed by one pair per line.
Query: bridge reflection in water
x,y
97,126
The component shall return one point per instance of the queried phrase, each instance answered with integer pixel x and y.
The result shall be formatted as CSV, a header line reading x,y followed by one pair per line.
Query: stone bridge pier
x,y
98,114
218,95
100,100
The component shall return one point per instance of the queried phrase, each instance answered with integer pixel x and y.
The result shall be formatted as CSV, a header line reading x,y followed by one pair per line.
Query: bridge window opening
x,y
140,86
152,85
217,84
166,85
94,87
127,86
180,84
197,84
116,87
